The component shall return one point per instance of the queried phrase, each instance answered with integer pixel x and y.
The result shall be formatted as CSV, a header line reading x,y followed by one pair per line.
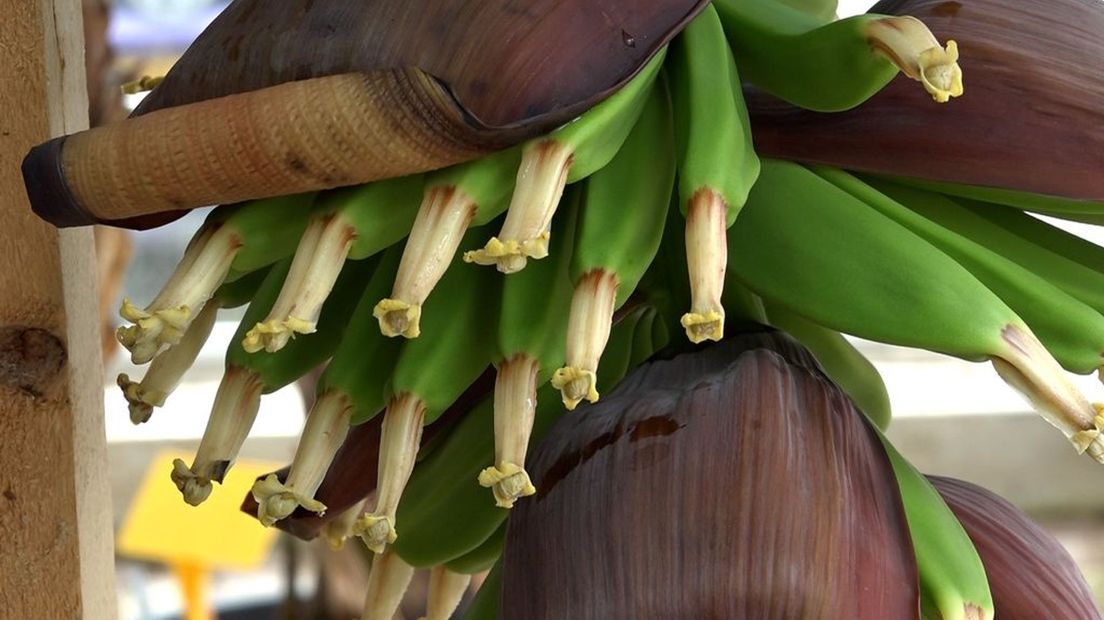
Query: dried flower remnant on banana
x,y
325,430
236,405
387,582
588,331
163,322
442,219
168,369
707,259
914,49
1029,367
515,406
318,261
541,179
399,441
446,590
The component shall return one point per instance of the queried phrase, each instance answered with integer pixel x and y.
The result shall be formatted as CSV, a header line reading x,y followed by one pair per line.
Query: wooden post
x,y
55,512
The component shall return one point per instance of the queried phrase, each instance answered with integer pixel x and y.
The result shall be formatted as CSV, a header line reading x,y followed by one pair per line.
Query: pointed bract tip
x,y
509,483
398,318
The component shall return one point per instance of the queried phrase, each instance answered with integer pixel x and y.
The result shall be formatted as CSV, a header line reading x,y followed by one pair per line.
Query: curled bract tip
x,y
575,384
398,318
702,326
277,501
509,482
376,531
195,488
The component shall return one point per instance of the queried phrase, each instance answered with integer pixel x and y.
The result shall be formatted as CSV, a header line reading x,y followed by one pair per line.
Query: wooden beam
x,y
55,511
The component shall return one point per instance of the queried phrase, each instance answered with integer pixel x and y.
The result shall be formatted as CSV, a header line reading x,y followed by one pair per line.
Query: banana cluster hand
x,y
648,211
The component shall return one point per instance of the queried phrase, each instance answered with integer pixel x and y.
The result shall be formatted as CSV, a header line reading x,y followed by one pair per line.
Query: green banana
x,y
482,557
842,362
1071,330
456,347
953,585
835,66
823,10
531,328
612,251
1057,206
352,223
717,164
485,604
445,515
351,389
454,198
1063,259
167,369
569,154
243,237
874,278
249,375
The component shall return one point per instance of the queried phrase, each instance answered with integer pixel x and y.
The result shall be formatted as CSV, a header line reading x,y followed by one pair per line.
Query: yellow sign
x,y
215,534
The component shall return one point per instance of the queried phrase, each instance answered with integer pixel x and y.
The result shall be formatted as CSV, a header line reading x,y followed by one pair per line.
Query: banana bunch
x,y
650,214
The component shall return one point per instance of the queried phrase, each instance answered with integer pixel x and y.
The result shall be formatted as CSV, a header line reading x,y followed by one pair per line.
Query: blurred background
x,y
951,418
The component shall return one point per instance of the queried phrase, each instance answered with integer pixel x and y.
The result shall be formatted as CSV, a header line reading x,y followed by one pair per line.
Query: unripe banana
x,y
842,362
347,224
836,66
569,154
248,376
243,238
444,515
350,390
1065,260
456,346
531,329
880,281
613,251
454,198
1072,331
485,604
953,585
717,164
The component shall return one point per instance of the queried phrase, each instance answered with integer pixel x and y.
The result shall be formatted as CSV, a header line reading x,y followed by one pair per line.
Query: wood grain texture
x,y
55,513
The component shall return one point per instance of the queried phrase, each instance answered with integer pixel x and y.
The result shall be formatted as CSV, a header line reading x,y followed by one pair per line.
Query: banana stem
x,y
387,583
1027,366
236,405
340,528
706,260
515,407
446,590
588,330
399,440
325,430
318,261
163,322
908,43
168,369
442,219
541,179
